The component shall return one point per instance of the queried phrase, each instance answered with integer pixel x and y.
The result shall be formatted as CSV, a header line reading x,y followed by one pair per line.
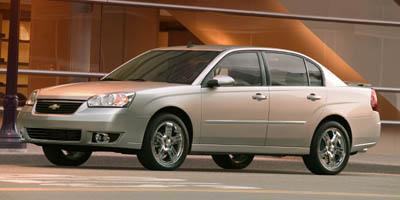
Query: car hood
x,y
84,90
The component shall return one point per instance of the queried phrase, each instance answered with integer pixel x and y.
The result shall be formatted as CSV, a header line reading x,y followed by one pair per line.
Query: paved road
x,y
121,177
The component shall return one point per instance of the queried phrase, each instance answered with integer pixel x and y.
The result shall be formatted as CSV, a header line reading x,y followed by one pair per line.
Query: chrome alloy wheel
x,y
332,148
167,143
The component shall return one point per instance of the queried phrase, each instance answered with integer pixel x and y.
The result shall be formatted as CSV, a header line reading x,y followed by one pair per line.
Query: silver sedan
x,y
228,102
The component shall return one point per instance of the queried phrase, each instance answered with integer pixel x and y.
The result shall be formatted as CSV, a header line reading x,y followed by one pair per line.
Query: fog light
x,y
102,138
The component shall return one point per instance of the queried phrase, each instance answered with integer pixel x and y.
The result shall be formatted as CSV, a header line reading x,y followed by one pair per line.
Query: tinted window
x,y
314,74
165,66
244,68
286,70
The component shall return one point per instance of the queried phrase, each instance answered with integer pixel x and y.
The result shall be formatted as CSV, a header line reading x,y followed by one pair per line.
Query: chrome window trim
x,y
225,52
307,71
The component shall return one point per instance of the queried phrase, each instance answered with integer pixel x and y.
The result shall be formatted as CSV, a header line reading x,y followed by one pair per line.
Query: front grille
x,y
54,134
57,107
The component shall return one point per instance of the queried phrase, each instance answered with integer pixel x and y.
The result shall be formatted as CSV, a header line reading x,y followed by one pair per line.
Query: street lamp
x,y
9,137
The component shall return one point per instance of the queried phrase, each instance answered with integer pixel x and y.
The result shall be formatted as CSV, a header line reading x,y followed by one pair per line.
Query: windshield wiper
x,y
137,79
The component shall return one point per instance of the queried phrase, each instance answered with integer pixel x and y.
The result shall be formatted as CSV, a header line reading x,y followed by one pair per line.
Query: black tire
x,y
147,154
313,161
233,161
62,157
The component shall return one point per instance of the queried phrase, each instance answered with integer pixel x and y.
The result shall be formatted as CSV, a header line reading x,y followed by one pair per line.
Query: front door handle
x,y
259,97
313,97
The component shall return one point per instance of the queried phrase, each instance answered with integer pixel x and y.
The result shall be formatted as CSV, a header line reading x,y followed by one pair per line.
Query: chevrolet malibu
x,y
228,102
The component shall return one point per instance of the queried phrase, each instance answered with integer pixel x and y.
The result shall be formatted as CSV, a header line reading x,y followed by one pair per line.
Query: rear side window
x,y
286,70
314,73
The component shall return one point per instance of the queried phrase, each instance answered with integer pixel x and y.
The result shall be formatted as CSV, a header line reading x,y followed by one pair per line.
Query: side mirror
x,y
220,80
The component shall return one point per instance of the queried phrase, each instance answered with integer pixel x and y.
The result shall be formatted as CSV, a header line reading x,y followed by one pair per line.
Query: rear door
x,y
296,98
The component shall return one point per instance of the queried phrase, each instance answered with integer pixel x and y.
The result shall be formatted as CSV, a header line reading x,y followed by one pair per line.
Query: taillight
x,y
374,100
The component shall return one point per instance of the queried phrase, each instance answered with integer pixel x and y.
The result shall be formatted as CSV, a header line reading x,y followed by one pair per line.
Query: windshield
x,y
172,66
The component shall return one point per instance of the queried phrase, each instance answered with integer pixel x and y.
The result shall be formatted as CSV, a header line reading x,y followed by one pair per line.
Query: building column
x,y
75,36
126,32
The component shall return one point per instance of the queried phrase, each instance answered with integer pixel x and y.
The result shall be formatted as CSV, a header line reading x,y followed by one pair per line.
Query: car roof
x,y
199,47
220,48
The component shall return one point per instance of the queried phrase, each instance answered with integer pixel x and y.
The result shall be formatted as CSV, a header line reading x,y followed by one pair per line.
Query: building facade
x,y
93,37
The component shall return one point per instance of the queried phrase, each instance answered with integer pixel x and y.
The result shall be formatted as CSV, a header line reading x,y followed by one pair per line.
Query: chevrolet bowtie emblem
x,y
54,106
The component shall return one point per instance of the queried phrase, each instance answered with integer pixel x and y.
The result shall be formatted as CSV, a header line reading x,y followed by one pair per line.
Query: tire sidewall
x,y
226,162
57,157
315,144
146,151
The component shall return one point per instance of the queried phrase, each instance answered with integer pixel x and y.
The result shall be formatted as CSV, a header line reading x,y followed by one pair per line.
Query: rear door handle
x,y
313,97
259,97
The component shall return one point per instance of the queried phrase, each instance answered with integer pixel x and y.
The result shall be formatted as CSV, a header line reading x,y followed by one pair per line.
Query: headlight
x,y
119,99
32,98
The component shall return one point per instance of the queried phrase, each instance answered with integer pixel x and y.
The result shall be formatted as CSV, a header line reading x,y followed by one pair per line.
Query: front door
x,y
236,114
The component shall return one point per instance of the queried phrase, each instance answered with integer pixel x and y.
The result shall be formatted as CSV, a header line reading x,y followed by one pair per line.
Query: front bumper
x,y
89,120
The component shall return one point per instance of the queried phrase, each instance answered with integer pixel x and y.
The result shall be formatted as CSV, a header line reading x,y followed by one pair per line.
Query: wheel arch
x,y
182,115
340,119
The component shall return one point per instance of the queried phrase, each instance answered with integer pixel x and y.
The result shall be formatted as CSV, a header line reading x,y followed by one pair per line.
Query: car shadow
x,y
203,165
181,169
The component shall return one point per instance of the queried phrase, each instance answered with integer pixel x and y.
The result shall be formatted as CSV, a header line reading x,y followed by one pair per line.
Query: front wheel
x,y
63,157
233,161
165,144
330,149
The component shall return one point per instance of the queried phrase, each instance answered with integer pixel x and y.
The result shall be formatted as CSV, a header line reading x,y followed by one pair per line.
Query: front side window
x,y
314,73
286,70
243,67
172,66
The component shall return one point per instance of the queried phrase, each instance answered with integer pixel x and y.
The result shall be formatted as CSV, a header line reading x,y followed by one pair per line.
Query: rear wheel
x,y
63,157
165,144
233,161
330,149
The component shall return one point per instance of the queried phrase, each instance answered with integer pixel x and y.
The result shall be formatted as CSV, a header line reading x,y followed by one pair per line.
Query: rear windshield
x,y
172,66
